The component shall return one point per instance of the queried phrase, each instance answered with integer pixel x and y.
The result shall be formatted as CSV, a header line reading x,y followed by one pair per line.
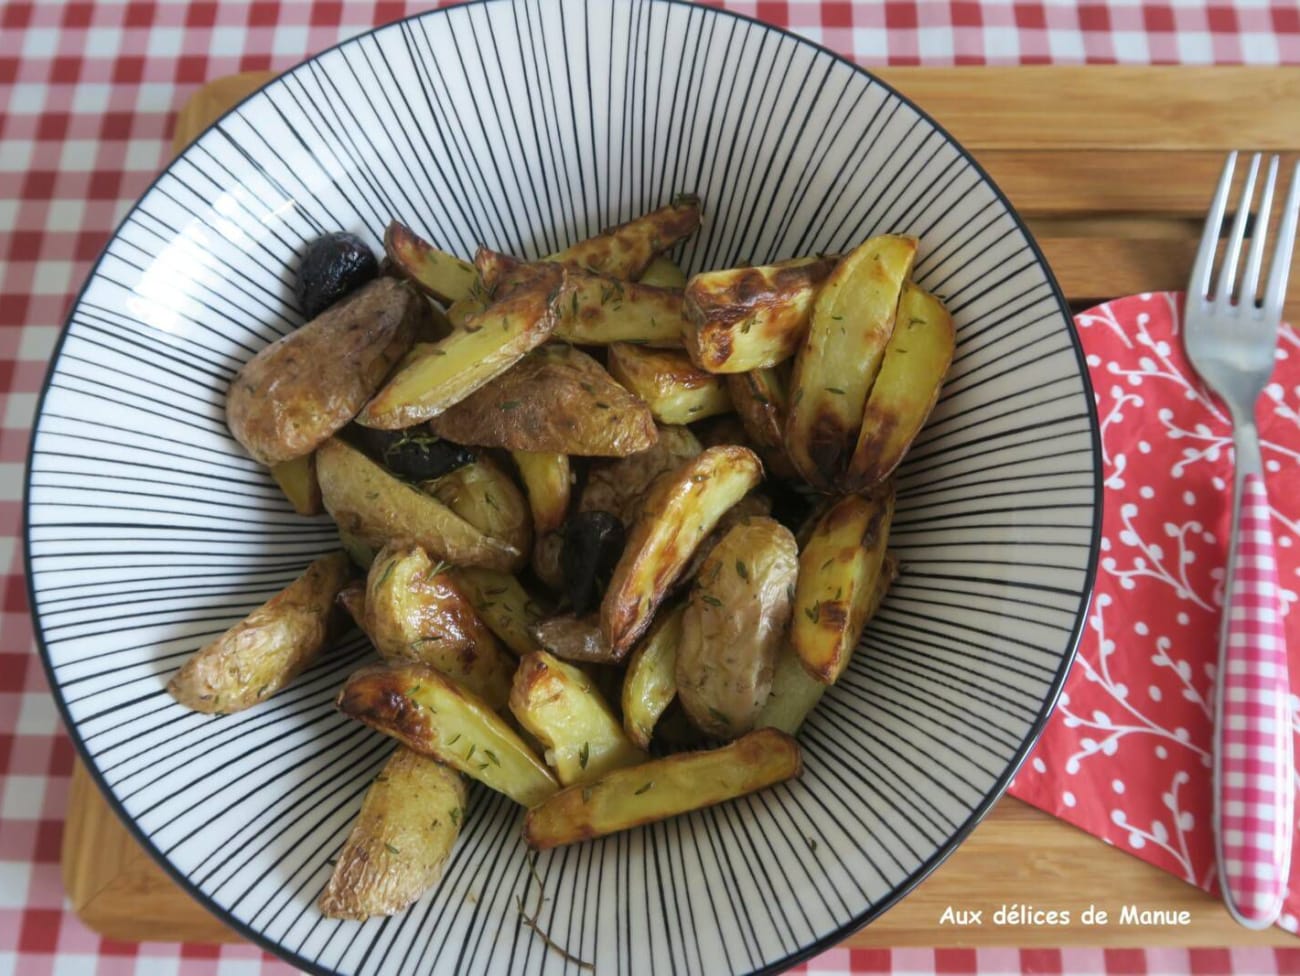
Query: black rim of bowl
x,y
874,911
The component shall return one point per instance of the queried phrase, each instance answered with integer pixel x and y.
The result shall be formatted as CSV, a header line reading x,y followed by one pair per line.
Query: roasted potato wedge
x,y
361,553
406,830
415,611
680,509
839,573
795,693
733,626
374,508
548,550
751,318
461,311
753,505
596,309
560,706
650,683
837,363
573,638
663,273
488,499
267,649
437,273
674,389
301,389
352,598
486,346
906,389
617,486
297,479
430,713
663,788
627,250
503,604
548,481
558,399
761,400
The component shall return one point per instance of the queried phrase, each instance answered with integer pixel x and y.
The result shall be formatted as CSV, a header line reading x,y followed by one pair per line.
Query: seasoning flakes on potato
x,y
437,273
675,390
627,250
266,650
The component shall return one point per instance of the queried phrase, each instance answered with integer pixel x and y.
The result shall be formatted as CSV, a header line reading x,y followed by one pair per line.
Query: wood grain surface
x,y
1113,167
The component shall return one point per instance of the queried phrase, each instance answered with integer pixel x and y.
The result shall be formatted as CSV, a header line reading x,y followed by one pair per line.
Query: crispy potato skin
x,y
574,639
503,604
627,250
795,693
680,509
434,272
558,704
840,356
839,572
548,480
297,479
761,399
733,626
415,611
559,400
662,788
431,714
485,346
298,391
374,508
406,830
669,383
650,683
267,649
751,318
906,389
618,486
488,499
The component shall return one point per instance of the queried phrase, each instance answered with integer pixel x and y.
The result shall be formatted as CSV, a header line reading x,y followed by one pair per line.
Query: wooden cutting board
x,y
1113,167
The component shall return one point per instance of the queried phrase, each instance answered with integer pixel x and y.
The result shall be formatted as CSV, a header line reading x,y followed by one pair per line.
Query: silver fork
x,y
1231,338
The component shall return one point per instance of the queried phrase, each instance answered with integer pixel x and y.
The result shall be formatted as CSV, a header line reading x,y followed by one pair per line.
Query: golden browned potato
x,y
627,250
487,345
415,611
361,553
650,683
488,499
734,624
461,311
548,481
406,830
750,318
503,604
595,309
636,795
299,390
753,505
430,713
267,649
558,400
617,486
374,508
297,479
795,693
837,363
761,399
352,598
663,273
669,383
680,509
444,276
574,638
906,389
839,573
559,705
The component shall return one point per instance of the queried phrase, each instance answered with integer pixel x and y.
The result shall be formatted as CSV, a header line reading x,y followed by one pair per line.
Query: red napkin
x,y
1127,753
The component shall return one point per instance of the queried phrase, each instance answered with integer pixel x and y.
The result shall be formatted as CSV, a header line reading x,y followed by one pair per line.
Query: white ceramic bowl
x,y
524,127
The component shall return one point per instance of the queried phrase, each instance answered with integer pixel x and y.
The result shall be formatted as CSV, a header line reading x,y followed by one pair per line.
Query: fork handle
x,y
1253,769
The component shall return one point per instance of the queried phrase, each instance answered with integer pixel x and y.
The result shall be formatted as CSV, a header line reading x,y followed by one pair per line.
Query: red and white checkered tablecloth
x,y
88,95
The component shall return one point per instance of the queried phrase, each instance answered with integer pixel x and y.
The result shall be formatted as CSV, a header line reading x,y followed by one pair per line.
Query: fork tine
x,y
1228,272
1255,256
1199,285
1275,290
